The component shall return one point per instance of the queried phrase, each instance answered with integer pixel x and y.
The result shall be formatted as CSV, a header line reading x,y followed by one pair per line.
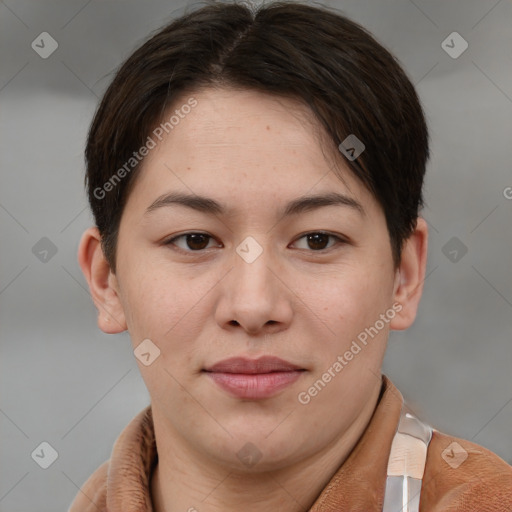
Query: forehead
x,y
230,121
243,144
238,110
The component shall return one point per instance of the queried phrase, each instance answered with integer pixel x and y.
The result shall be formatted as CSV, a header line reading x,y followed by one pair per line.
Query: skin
x,y
302,302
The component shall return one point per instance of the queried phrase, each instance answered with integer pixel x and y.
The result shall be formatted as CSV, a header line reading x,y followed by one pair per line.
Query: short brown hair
x,y
349,81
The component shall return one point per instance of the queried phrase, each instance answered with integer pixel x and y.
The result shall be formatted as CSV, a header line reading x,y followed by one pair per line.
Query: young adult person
x,y
256,177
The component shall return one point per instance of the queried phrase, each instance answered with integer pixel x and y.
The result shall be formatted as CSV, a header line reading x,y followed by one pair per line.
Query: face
x,y
264,273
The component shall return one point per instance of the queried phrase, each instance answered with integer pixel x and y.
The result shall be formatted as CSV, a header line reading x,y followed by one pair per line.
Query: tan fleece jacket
x,y
481,483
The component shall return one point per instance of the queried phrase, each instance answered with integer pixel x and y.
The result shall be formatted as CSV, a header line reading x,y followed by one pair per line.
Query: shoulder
x,y
126,473
92,496
464,476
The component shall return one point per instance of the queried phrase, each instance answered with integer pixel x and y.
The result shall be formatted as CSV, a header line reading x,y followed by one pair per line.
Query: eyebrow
x,y
299,205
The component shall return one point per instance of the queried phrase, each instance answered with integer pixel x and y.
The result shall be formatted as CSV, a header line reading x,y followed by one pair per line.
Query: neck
x,y
185,481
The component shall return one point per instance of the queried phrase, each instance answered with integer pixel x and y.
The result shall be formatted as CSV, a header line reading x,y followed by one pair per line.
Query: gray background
x,y
65,382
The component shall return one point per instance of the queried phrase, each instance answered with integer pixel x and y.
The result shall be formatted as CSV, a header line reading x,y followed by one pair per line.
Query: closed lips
x,y
265,364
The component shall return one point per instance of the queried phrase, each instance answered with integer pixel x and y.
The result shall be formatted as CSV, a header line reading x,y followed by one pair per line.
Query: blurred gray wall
x,y
66,383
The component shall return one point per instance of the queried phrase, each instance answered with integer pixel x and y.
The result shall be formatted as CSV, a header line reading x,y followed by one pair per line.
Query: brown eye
x,y
318,241
192,241
197,241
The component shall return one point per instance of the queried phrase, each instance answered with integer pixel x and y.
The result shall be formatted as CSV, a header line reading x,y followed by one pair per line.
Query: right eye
x,y
191,242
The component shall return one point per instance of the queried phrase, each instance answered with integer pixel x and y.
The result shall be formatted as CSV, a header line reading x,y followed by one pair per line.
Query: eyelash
x,y
170,241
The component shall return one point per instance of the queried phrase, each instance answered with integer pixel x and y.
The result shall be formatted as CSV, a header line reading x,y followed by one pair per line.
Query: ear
x,y
102,283
410,276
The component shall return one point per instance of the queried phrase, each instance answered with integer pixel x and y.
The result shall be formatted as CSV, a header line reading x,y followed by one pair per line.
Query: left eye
x,y
318,240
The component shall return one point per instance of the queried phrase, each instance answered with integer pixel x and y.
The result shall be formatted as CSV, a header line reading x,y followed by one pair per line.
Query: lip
x,y
264,364
254,378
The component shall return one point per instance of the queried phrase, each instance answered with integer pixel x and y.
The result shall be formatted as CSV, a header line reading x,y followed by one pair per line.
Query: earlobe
x,y
410,276
97,272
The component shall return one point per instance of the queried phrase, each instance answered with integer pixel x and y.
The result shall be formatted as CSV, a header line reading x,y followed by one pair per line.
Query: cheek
x,y
353,303
153,302
170,310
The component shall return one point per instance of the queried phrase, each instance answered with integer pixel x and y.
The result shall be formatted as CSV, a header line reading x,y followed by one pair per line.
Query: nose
x,y
254,294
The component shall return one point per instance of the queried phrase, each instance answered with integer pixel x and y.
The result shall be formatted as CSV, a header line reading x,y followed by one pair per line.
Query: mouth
x,y
254,378
265,364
